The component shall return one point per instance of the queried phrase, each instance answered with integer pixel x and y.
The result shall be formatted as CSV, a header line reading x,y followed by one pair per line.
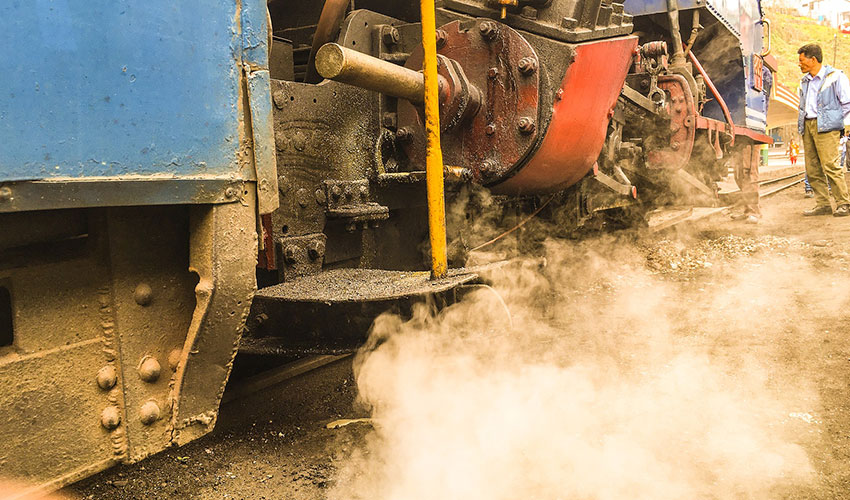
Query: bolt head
x,y
279,99
110,418
107,377
493,72
230,192
526,125
290,253
442,38
149,369
404,134
336,191
527,65
149,413
559,94
143,294
321,198
5,194
316,249
489,30
391,36
490,129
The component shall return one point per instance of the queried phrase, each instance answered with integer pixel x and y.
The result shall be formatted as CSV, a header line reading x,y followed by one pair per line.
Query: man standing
x,y
824,101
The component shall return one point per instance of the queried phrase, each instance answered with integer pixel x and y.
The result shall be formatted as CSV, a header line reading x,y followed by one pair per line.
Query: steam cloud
x,y
607,380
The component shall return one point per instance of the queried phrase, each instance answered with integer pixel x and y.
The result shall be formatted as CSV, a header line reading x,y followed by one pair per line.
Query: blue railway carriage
x,y
159,160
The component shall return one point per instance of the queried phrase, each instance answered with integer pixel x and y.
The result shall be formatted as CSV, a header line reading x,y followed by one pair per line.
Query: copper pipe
x,y
327,31
713,89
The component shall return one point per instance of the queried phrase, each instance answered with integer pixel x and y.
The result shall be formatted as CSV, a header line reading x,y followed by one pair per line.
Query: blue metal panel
x,y
119,87
646,7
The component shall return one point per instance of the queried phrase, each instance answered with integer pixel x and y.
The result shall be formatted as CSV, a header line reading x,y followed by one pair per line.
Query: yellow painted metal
x,y
434,157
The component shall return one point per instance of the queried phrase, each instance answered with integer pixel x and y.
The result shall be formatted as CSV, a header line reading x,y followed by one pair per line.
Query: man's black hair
x,y
811,50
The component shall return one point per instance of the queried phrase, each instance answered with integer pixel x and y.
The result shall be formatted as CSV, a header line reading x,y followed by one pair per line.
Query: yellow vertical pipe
x,y
434,154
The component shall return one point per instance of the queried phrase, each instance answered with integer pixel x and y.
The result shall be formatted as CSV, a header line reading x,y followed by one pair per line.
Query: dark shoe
x,y
810,194
818,210
842,211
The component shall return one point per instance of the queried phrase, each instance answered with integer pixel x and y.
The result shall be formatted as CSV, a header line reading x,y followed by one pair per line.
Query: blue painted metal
x,y
105,88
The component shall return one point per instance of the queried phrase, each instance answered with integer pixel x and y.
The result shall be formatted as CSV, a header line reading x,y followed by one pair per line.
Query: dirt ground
x,y
275,445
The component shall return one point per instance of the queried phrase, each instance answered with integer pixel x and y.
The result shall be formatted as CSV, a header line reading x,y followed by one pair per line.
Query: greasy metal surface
x,y
579,120
93,309
678,139
301,255
222,253
262,133
92,192
363,285
566,20
491,142
109,88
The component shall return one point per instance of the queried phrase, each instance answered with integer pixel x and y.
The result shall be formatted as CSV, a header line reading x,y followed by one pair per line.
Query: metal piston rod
x,y
341,64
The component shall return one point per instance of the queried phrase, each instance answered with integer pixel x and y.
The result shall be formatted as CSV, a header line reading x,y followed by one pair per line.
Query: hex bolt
x,y
143,294
290,253
316,249
404,134
107,377
489,30
442,38
149,413
110,418
490,166
526,125
493,72
149,369
174,358
391,36
490,129
336,191
5,194
527,65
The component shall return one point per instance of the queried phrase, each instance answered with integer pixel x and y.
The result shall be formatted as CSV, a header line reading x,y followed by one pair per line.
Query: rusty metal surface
x,y
678,138
566,20
222,253
575,136
496,62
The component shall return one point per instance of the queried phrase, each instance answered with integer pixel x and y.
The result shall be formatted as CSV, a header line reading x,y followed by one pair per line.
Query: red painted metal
x,y
579,123
681,108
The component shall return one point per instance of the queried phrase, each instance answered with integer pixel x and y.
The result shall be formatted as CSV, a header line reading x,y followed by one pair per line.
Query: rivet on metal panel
x,y
5,194
526,125
149,369
282,185
230,192
174,358
107,377
489,30
302,197
490,129
321,199
279,99
493,72
149,412
110,417
143,294
336,191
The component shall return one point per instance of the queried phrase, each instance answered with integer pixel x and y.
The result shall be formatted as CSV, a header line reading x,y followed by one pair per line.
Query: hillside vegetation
x,y
789,32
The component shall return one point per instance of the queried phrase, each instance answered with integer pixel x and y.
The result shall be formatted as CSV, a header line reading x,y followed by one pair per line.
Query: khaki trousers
x,y
746,163
822,163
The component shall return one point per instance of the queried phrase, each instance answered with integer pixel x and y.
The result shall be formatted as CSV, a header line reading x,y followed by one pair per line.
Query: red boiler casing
x,y
580,117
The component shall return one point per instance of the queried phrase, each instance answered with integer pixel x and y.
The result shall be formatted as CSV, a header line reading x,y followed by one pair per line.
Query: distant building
x,y
836,13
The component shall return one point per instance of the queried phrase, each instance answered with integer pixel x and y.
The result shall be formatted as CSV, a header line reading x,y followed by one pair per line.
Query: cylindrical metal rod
x,y
675,34
332,15
434,155
344,65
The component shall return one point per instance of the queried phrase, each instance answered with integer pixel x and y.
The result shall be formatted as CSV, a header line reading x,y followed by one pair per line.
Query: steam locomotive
x,y
179,182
